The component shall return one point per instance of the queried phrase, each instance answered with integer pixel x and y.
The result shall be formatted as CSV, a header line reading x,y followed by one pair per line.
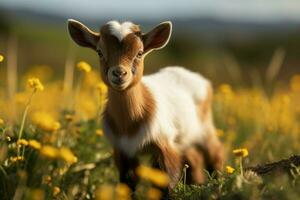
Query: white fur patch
x,y
177,93
120,30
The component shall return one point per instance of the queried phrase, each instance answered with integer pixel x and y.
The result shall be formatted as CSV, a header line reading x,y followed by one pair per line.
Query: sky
x,y
240,10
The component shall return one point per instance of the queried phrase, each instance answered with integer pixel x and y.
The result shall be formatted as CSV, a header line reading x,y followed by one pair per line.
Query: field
x,y
52,145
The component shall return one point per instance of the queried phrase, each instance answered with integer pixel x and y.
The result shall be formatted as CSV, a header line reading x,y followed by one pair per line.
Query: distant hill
x,y
210,27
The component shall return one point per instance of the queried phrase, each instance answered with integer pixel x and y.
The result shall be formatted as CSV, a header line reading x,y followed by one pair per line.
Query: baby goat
x,y
167,114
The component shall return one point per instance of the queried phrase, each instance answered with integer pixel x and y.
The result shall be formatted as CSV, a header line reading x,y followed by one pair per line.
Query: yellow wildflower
x,y
84,66
99,132
46,179
8,138
56,191
1,58
105,192
229,169
69,117
37,194
45,121
67,155
295,83
156,176
49,151
102,88
22,142
123,192
35,84
17,158
225,89
1,122
240,152
154,194
34,144
219,132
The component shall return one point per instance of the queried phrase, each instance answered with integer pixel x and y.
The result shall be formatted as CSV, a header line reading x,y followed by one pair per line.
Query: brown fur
x,y
170,161
127,111
122,54
196,162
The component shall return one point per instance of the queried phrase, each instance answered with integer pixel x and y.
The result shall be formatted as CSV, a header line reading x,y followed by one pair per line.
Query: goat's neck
x,y
128,109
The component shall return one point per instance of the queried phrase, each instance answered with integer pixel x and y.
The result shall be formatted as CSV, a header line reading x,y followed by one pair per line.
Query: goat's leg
x,y
169,161
127,169
215,153
196,162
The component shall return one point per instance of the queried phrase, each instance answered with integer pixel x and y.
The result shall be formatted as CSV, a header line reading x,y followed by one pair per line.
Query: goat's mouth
x,y
119,84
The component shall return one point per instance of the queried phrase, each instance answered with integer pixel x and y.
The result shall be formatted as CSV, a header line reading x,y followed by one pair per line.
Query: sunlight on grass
x,y
57,149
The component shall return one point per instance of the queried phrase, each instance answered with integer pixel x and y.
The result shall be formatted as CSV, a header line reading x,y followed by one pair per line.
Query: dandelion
x,y
8,138
69,117
225,89
229,169
56,191
17,158
156,176
37,194
84,67
105,192
22,142
1,58
122,192
45,122
154,194
99,132
219,132
49,151
295,83
240,152
34,144
46,179
35,84
67,155
102,88
1,122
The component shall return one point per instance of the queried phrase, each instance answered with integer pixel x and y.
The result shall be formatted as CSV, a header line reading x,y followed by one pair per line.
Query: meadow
x,y
52,145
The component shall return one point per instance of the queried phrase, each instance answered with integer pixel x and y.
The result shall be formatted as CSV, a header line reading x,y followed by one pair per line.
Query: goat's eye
x,y
140,54
100,54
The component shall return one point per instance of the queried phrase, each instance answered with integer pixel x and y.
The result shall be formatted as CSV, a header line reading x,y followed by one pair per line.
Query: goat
x,y
167,113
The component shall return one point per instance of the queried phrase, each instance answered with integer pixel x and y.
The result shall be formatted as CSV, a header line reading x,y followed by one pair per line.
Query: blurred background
x,y
230,41
249,49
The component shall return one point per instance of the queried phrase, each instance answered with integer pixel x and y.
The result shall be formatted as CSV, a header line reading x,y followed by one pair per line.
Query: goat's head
x,y
121,49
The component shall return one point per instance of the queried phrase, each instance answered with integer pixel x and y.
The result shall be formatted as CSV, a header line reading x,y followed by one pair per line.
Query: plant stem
x,y
184,178
77,91
24,118
241,166
99,110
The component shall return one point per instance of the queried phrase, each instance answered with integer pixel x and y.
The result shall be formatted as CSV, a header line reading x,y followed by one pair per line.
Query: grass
x,y
58,150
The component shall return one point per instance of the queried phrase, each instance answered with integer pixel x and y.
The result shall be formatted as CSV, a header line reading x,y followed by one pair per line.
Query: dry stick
x,y
69,75
12,73
233,68
275,65
284,165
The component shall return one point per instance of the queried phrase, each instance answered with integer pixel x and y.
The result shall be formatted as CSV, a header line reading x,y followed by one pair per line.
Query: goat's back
x,y
178,93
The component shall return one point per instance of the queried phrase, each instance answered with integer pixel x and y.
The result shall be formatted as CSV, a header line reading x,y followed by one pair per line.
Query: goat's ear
x,y
158,37
82,35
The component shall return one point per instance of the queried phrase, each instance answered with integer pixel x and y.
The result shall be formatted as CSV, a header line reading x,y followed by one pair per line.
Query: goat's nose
x,y
119,72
